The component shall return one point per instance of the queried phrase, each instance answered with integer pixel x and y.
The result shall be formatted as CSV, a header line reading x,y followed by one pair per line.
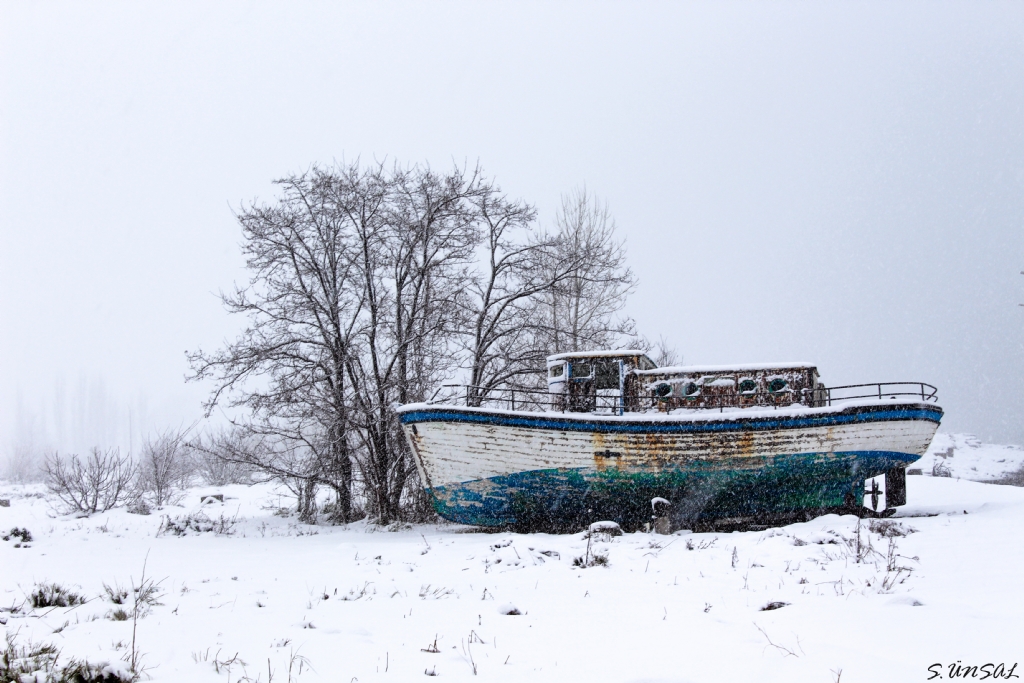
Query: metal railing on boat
x,y
526,399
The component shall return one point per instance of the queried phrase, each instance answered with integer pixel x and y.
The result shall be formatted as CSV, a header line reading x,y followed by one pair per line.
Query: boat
x,y
617,438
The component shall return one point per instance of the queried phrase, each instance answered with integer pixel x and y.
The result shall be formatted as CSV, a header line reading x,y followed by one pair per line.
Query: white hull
x,y
475,460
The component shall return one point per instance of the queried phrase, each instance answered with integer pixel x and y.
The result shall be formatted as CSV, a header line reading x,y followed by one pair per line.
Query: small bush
x,y
38,663
23,534
138,602
596,560
22,661
54,595
116,595
139,507
199,523
888,528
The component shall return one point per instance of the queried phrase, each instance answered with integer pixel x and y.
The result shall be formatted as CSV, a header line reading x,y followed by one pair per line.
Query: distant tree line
x,y
372,285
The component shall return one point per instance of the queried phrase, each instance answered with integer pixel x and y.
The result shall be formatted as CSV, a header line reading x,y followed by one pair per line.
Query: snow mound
x,y
509,609
607,528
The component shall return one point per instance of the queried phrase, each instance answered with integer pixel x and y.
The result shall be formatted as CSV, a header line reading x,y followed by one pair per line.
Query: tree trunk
x,y
307,501
340,473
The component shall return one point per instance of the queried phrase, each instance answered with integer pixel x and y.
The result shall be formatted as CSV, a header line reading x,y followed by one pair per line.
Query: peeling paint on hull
x,y
553,470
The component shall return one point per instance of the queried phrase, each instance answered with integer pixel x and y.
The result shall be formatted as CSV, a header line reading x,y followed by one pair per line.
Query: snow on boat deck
x,y
361,603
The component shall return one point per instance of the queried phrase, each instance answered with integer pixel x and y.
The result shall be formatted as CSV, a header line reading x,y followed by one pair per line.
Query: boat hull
x,y
561,471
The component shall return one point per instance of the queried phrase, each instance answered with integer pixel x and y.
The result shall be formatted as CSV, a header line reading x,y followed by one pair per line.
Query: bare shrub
x,y
895,572
96,483
54,595
165,467
198,523
38,662
888,528
21,662
116,594
215,458
591,560
145,596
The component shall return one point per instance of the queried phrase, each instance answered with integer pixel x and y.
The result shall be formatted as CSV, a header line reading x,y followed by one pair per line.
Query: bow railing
x,y
611,402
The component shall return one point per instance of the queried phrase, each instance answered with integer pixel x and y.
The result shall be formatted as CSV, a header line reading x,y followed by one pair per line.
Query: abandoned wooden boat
x,y
722,444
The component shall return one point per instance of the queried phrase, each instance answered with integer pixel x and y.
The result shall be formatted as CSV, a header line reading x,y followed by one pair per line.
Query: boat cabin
x,y
622,381
596,381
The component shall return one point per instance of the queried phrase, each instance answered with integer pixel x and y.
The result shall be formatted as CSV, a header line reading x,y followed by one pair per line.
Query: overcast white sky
x,y
841,183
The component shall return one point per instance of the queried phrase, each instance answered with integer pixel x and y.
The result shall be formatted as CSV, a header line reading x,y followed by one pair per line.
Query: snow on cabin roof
x,y
693,369
596,354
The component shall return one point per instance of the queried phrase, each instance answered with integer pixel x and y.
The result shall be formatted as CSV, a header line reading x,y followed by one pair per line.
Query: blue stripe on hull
x,y
569,499
662,426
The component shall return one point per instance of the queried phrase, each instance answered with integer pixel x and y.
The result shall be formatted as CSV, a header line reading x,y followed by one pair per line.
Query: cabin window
x,y
663,390
606,375
556,371
777,384
691,390
582,371
748,386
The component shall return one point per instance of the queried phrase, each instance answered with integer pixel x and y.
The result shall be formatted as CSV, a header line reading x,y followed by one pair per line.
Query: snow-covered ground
x,y
358,603
964,456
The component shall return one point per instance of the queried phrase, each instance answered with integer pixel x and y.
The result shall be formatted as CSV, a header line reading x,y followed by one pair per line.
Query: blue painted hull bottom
x,y
781,486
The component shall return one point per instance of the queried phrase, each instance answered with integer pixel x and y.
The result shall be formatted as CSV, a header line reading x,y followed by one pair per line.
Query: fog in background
x,y
839,183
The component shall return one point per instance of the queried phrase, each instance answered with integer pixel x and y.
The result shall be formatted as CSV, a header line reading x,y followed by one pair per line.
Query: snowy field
x,y
261,592
963,456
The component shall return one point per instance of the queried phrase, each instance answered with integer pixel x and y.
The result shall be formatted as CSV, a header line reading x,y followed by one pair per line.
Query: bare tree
x,y
165,466
352,306
581,310
518,269
365,292
23,464
96,483
413,269
215,461
289,368
662,354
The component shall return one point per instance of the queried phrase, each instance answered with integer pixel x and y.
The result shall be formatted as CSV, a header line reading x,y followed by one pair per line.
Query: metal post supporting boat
x,y
896,487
